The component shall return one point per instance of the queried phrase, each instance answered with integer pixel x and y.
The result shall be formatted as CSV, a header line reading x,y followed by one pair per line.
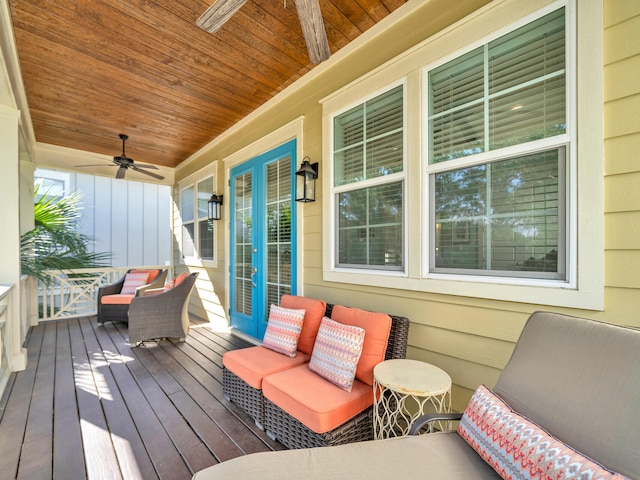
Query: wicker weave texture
x,y
293,434
241,393
163,315
250,399
289,431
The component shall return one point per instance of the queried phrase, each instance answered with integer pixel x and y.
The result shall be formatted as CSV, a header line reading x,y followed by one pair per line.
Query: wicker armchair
x,y
161,315
118,312
289,431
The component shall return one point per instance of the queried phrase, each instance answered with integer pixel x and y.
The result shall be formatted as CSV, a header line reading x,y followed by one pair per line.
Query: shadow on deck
x,y
89,406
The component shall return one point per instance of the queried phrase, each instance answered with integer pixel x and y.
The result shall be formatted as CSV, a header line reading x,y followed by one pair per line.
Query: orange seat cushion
x,y
377,327
254,363
117,299
309,398
313,312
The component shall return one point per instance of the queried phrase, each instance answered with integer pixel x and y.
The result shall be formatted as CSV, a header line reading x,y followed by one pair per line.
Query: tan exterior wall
x,y
470,338
621,167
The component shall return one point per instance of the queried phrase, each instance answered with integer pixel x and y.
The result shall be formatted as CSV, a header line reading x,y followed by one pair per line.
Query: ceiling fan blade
x,y
145,165
313,29
151,174
95,165
121,171
217,14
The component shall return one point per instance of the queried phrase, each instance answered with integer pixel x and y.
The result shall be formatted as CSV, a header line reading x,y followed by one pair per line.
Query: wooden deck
x,y
89,406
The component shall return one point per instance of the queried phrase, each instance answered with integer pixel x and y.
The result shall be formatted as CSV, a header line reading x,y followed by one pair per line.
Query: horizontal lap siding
x,y
472,338
622,173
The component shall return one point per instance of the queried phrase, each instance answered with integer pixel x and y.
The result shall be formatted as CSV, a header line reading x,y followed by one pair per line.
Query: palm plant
x,y
54,243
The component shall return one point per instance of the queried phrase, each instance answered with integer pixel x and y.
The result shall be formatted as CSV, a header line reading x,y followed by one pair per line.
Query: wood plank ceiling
x,y
94,69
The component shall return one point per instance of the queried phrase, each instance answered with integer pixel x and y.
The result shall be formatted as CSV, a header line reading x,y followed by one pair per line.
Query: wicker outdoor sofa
x,y
564,407
113,306
279,423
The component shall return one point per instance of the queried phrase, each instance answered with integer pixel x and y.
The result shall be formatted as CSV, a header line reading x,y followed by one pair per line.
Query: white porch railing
x,y
5,340
28,305
14,325
74,293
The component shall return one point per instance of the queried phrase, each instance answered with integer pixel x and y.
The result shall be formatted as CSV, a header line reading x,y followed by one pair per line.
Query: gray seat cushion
x,y
578,379
437,456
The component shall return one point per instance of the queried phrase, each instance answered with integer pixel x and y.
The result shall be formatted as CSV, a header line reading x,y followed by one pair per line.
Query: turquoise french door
x,y
263,260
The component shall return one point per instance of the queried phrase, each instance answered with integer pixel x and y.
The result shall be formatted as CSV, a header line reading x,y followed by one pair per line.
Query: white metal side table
x,y
402,391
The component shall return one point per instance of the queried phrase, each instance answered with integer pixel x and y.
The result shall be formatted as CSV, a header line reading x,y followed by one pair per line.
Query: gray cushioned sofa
x,y
578,379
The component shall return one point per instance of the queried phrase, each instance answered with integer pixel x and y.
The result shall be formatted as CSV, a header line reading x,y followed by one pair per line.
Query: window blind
x,y
503,216
507,92
278,222
370,228
368,139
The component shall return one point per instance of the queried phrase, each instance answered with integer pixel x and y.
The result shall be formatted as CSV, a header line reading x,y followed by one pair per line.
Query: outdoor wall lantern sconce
x,y
306,181
215,206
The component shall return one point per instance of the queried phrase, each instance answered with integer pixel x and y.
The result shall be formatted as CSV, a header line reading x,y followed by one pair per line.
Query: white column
x,y
27,174
10,231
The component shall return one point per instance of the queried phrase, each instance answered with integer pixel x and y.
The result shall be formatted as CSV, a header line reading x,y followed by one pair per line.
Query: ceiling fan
x,y
124,163
310,19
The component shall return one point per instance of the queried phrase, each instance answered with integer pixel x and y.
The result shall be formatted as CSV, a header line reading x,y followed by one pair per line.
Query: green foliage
x,y
54,243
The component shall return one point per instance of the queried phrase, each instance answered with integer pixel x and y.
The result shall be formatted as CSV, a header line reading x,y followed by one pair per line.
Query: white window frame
x,y
42,174
400,177
192,181
585,186
567,141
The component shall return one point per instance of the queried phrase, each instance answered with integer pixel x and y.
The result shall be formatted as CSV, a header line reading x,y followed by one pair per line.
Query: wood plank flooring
x,y
89,406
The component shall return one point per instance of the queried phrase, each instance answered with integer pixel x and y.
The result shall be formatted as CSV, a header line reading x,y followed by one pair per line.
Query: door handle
x,y
253,273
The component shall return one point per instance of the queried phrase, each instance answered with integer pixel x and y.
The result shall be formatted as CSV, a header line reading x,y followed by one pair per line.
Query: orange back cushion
x,y
153,274
133,280
377,327
179,279
314,311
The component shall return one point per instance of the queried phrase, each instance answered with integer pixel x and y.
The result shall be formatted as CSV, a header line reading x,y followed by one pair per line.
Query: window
x,y
197,230
52,183
368,183
498,152
499,199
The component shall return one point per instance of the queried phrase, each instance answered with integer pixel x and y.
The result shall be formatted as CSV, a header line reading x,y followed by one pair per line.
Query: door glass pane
x,y
278,224
243,243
